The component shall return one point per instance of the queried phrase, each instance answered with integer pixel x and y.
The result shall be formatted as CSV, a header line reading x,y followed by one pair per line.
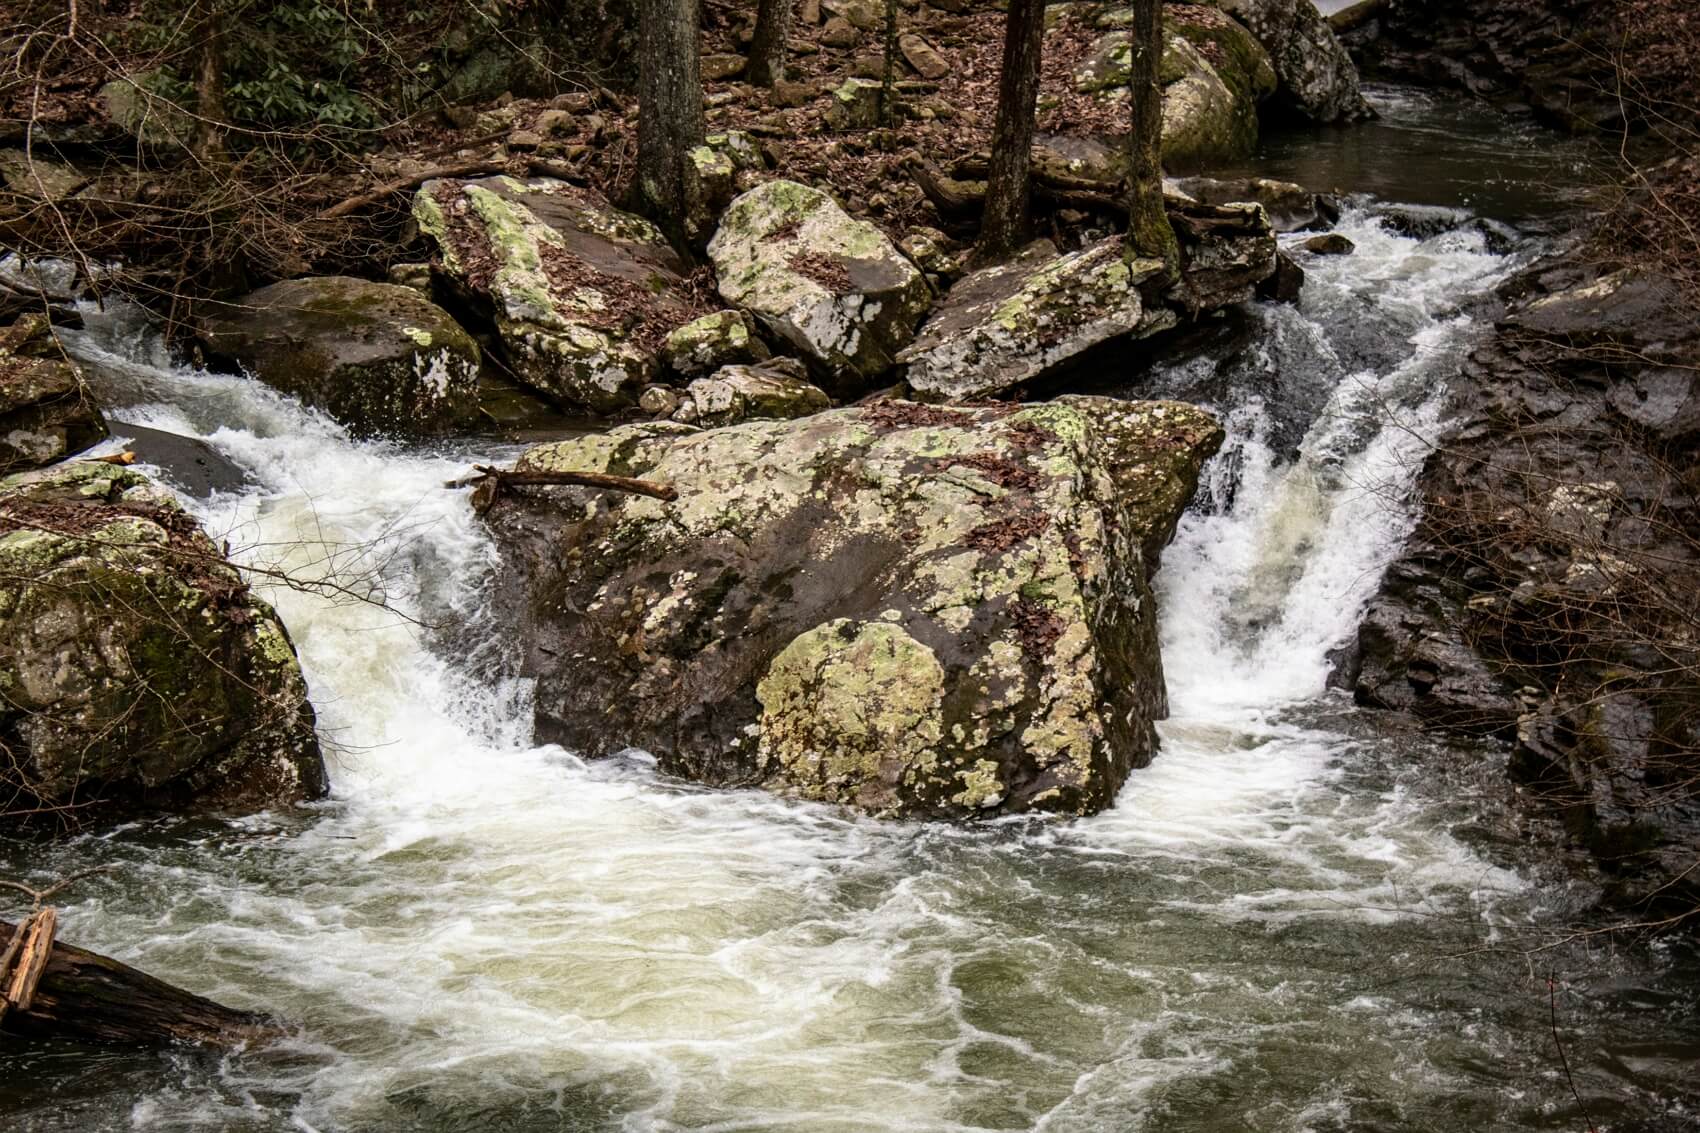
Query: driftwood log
x,y
84,996
489,484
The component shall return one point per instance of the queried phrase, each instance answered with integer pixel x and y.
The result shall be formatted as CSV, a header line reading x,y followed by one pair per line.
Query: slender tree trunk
x,y
670,115
767,50
209,86
888,89
1006,220
1148,230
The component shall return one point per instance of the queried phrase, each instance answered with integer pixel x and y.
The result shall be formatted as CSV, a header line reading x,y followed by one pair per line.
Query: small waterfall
x,y
480,933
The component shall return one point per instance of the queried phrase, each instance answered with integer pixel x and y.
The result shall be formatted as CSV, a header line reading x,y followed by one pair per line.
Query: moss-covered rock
x,y
1207,119
742,393
703,345
1317,79
136,669
1017,323
379,357
832,286
581,294
46,413
897,607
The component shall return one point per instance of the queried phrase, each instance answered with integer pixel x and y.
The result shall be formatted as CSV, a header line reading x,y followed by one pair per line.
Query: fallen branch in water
x,y
490,483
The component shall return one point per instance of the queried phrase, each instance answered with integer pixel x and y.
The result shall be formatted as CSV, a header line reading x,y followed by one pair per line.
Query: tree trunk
x,y
1148,230
211,121
888,88
767,50
1006,221
670,114
92,998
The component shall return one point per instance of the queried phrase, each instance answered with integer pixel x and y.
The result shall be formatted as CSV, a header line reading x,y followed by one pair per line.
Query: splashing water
x,y
1274,929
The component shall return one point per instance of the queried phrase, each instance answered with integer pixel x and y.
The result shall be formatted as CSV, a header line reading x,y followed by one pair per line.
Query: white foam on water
x,y
479,932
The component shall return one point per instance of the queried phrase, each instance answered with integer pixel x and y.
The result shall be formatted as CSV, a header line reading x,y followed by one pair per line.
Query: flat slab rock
x,y
900,608
1017,323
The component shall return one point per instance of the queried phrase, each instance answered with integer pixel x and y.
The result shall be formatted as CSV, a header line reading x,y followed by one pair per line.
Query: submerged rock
x,y
378,357
581,294
901,608
139,671
834,287
46,413
1016,323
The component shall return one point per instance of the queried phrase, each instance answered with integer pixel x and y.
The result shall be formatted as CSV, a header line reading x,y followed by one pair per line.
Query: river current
x,y
1297,918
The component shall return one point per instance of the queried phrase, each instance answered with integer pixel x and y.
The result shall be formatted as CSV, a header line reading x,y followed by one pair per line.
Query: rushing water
x,y
1293,920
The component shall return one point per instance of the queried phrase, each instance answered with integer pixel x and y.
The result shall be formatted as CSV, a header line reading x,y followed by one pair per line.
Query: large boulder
x,y
138,670
46,413
380,358
581,294
1018,322
1318,80
1214,75
833,287
901,608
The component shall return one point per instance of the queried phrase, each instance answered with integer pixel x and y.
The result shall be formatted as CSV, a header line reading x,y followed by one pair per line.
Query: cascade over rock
x,y
901,608
139,671
380,358
581,294
1544,595
833,287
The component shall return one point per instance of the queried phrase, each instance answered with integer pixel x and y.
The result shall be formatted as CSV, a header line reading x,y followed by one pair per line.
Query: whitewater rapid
x,y
478,933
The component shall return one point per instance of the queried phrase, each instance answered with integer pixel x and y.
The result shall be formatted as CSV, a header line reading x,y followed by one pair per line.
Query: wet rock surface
x,y
378,357
1546,595
139,672
901,608
46,413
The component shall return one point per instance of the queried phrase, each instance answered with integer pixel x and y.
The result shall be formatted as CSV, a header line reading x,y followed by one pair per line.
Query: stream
x,y
1298,918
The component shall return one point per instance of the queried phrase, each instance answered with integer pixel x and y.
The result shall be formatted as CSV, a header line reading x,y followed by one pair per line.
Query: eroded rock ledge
x,y
903,608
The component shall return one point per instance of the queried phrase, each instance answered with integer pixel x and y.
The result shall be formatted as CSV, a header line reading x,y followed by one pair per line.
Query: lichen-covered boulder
x,y
1318,80
137,671
1213,79
704,345
834,287
378,357
742,393
1017,323
581,294
902,608
46,413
